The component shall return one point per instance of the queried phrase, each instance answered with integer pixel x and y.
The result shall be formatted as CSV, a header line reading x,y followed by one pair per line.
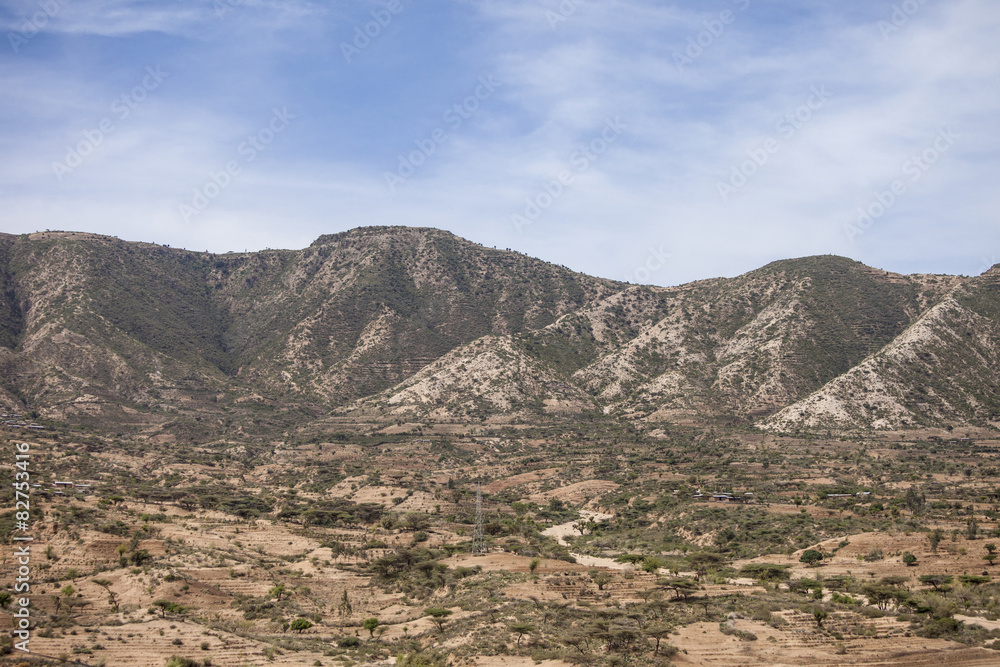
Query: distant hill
x,y
390,323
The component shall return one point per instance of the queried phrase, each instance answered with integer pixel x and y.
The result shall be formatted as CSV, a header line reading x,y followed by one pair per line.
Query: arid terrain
x,y
399,447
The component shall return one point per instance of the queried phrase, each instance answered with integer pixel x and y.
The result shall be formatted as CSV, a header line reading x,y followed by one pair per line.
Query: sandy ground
x,y
799,643
985,623
959,557
575,494
564,530
508,661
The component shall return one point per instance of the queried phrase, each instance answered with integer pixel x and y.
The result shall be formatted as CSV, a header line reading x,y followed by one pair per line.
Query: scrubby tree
x,y
658,633
521,629
139,556
766,572
106,585
811,557
600,578
370,624
914,501
683,587
166,605
439,615
882,595
345,608
704,562
181,661
938,581
300,625
414,521
935,537
909,559
422,659
276,592
972,529
652,564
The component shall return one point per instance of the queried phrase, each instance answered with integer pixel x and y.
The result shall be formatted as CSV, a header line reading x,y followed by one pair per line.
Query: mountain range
x,y
390,324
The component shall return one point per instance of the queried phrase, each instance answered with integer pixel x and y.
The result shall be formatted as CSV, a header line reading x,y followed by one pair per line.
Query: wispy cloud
x,y
561,80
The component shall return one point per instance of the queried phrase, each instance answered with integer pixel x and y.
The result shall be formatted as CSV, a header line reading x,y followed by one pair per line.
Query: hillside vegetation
x,y
378,323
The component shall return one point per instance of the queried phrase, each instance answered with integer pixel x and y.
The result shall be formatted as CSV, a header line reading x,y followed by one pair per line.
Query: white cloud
x,y
656,187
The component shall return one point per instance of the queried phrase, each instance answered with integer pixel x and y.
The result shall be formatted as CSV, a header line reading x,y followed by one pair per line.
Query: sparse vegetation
x,y
225,506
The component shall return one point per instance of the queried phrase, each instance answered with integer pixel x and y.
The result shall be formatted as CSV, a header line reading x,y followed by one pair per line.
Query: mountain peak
x,y
385,231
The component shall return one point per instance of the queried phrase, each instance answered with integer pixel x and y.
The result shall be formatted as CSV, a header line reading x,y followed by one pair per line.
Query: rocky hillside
x,y
402,323
941,370
91,324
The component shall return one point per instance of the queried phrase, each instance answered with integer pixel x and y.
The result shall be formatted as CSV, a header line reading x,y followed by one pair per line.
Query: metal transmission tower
x,y
478,537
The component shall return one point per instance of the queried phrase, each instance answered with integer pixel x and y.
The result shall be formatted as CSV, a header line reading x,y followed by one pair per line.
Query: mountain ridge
x,y
387,322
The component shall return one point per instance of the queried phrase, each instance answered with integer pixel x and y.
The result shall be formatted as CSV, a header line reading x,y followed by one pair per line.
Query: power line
x,y
478,536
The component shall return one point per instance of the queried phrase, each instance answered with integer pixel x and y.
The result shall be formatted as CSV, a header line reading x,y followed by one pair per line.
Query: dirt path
x,y
975,620
564,530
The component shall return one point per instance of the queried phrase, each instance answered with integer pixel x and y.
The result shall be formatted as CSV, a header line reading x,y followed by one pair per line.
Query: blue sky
x,y
652,141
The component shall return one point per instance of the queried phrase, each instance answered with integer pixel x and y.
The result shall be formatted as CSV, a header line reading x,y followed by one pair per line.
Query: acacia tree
x,y
811,557
659,633
521,629
439,615
106,585
936,580
166,605
703,562
683,587
601,578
